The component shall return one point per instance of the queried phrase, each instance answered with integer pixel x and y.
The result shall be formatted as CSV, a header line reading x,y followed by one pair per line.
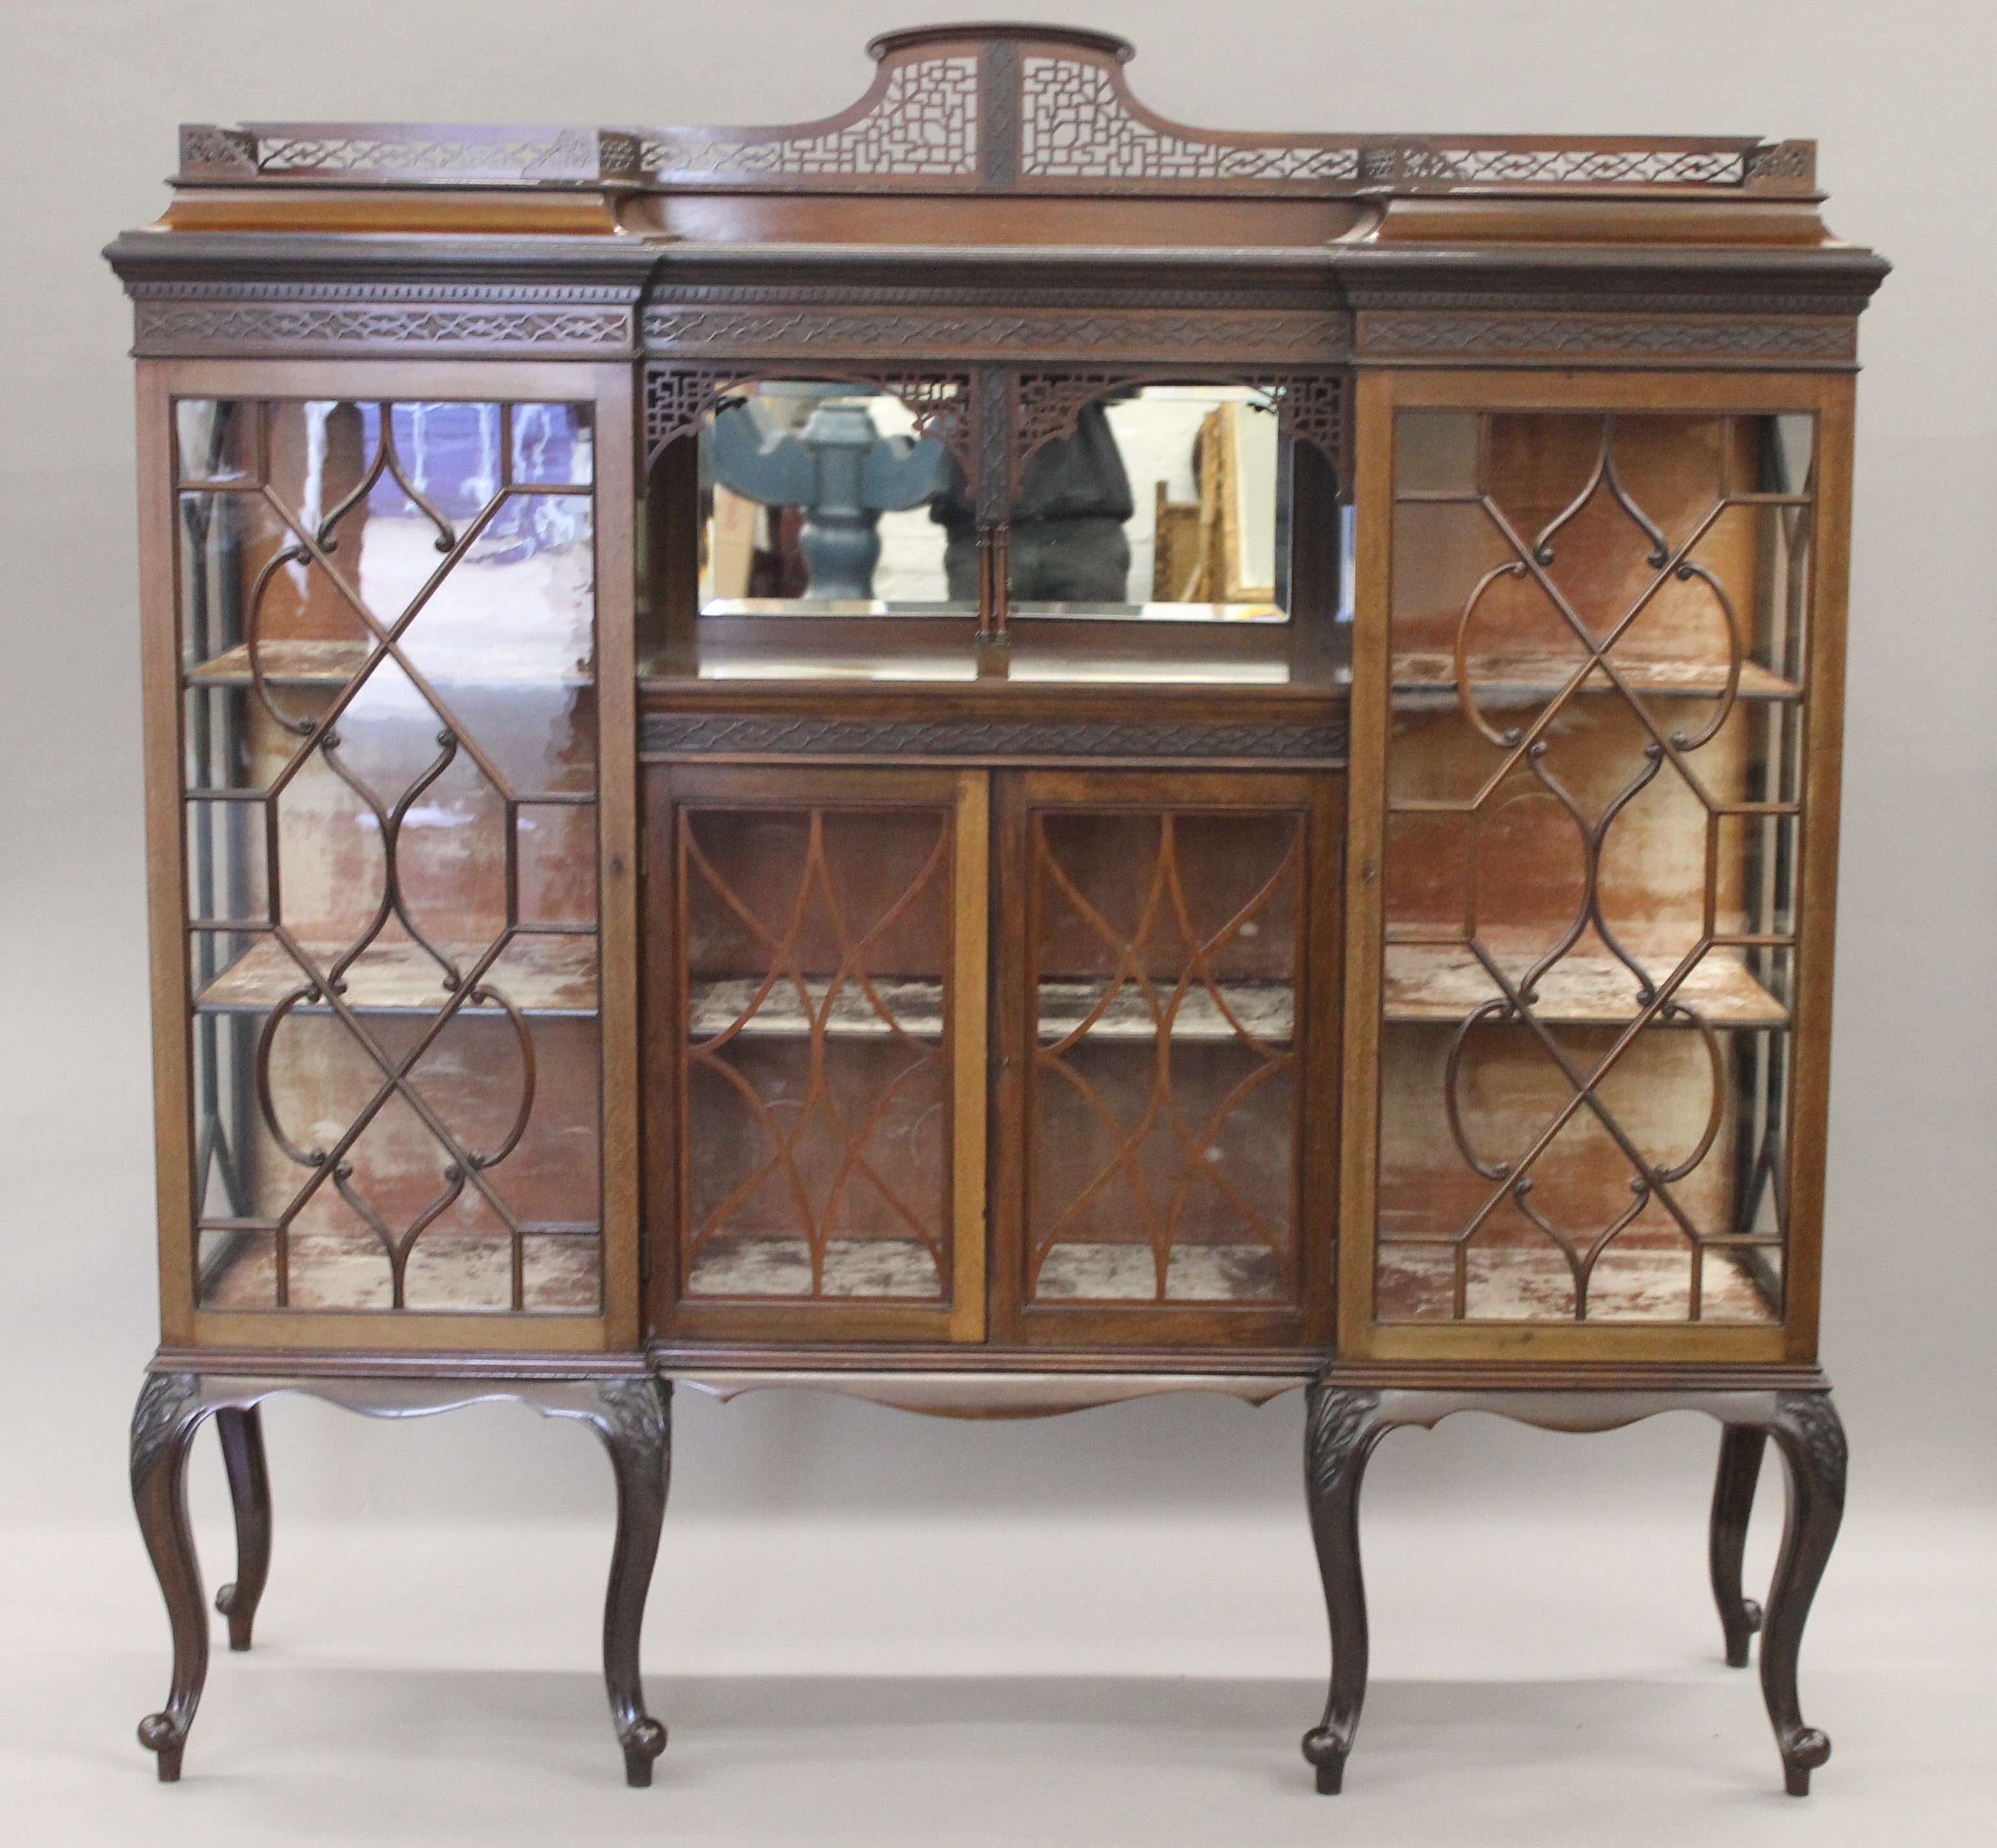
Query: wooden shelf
x,y
903,1270
779,1267
1099,1271
332,664
541,975
1414,1283
715,1004
1267,1009
449,1272
1502,679
1443,983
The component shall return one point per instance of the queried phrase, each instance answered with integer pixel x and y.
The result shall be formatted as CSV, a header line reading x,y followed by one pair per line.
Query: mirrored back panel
x,y
1045,525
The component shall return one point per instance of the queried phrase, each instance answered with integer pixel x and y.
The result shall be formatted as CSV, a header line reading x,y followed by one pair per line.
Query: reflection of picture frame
x,y
734,529
1220,548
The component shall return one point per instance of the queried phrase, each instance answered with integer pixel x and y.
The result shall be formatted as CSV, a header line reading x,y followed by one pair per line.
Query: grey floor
x,y
436,1686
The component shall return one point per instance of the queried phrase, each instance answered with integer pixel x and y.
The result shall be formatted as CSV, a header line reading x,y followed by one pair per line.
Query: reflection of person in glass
x,y
1067,544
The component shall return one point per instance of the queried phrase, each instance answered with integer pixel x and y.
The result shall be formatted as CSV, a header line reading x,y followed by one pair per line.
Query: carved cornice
x,y
677,734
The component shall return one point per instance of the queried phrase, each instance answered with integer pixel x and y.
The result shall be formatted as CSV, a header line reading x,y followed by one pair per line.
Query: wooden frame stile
x,y
966,793
1817,923
166,853
618,851
407,1334
1365,847
1827,397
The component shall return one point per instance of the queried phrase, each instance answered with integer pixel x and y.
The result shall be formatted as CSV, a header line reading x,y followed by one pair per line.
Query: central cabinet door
x,y
816,1052
1168,1025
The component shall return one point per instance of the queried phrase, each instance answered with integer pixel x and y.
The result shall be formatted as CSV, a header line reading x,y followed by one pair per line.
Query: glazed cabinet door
x,y
1168,999
1596,694
393,847
815,984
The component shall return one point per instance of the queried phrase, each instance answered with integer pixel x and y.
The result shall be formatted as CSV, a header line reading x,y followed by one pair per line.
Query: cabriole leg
x,y
1807,1430
1741,1448
242,1433
634,1419
169,1412
1342,1424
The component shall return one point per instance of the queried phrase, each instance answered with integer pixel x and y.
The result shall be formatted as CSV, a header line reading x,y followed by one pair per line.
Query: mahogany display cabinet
x,y
996,754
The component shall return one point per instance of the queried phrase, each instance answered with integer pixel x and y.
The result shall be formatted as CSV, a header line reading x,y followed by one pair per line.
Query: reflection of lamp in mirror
x,y
841,471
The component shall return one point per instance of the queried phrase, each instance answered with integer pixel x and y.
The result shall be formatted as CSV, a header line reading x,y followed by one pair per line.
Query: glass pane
x,y
833,498
1600,658
1158,501
387,620
816,1077
1162,1092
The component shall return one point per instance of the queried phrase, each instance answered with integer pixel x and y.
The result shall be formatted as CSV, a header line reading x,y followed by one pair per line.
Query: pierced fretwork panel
x,y
820,1016
922,123
1164,948
1594,777
388,616
1076,123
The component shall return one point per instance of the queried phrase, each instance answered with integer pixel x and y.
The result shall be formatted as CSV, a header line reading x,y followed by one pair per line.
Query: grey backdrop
x,y
1899,100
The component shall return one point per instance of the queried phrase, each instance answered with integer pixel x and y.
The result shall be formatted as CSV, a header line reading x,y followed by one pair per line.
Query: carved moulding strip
x,y
1705,339
678,734
395,152
173,320
1141,335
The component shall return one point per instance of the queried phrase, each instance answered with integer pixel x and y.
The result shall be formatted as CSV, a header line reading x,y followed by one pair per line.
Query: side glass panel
x,y
1600,655
1164,1081
820,1017
388,623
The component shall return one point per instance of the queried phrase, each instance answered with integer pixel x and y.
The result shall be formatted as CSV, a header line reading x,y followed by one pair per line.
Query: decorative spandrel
x,y
388,626
819,1022
1600,658
1163,1093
